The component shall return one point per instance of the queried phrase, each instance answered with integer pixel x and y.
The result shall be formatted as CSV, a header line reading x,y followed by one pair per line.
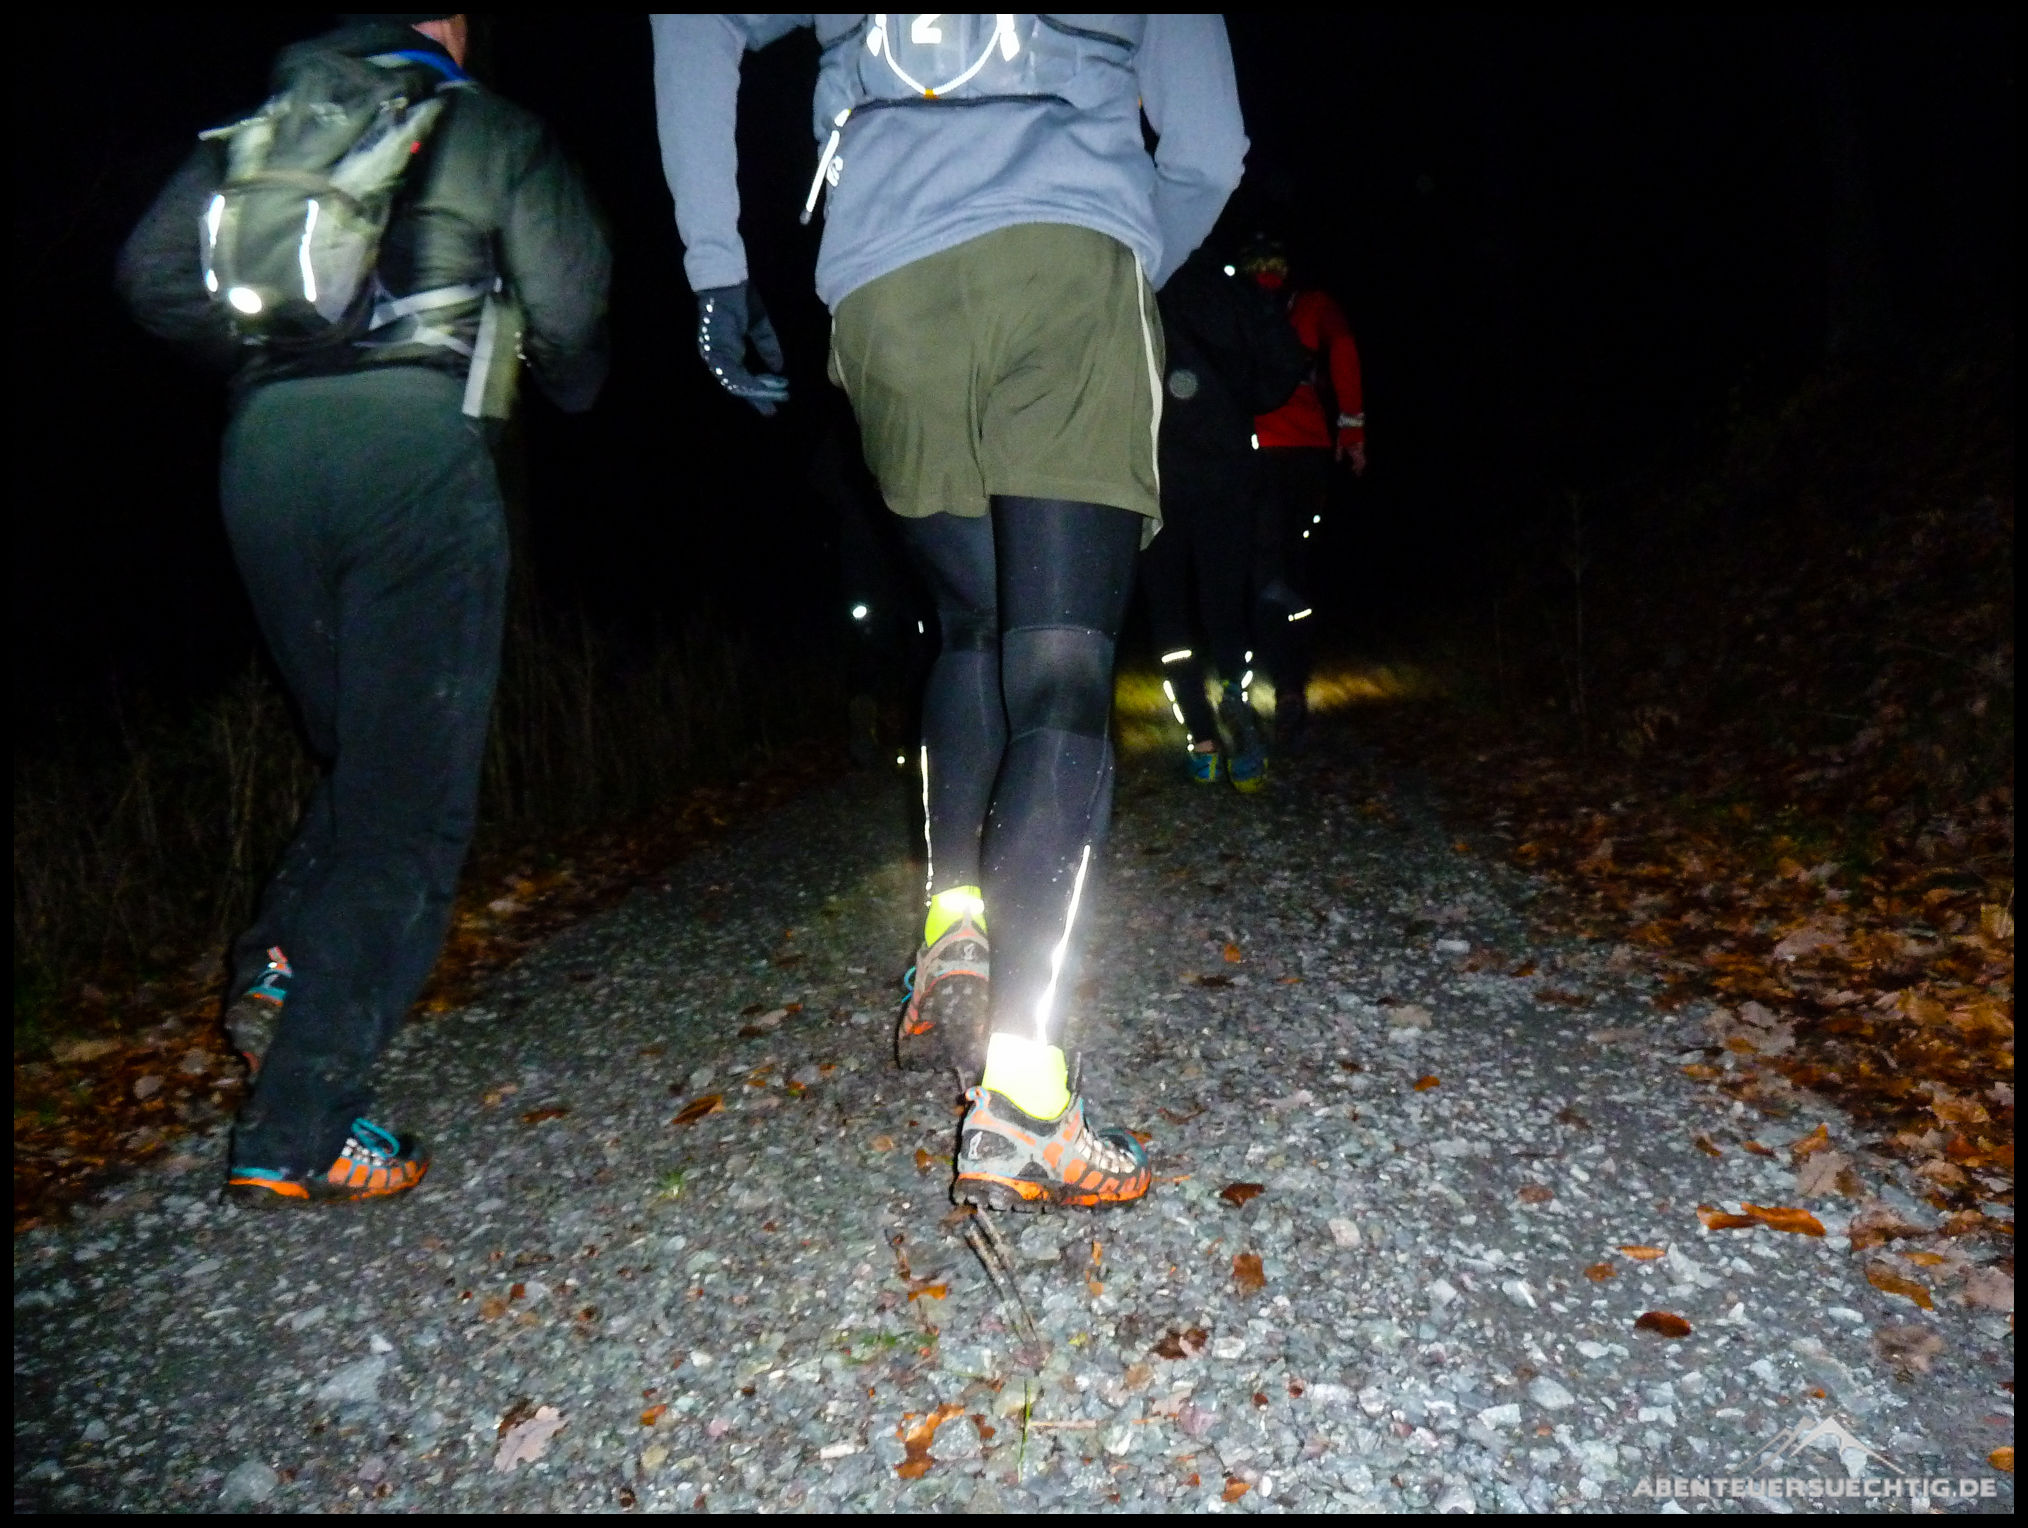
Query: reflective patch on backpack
x,y
289,243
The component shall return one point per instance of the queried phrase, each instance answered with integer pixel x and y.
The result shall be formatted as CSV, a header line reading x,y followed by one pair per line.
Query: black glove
x,y
729,319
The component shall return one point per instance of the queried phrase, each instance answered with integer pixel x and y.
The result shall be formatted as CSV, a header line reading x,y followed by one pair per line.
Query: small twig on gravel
x,y
998,1262
1074,1424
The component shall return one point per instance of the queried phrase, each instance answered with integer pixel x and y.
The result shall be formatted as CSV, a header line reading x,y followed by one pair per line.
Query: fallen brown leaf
x,y
917,1440
1644,1254
526,1441
1234,1488
1535,1193
1709,1147
1990,1289
923,1160
1825,1173
1816,1140
1785,1218
1887,1281
1756,1149
1237,1194
1663,1324
2002,1458
537,1116
1908,1348
1187,1343
1723,1220
1247,1273
1137,1376
1424,1084
930,1291
1598,1273
654,1414
882,1143
697,1108
1232,955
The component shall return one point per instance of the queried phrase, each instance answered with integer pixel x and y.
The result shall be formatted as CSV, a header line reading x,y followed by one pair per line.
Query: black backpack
x,y
290,241
1273,361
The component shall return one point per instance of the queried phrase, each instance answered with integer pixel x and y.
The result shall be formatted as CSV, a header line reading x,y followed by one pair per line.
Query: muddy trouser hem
x,y
365,516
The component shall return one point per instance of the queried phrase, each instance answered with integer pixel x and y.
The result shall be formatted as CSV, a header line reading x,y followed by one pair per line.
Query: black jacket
x,y
1231,355
491,194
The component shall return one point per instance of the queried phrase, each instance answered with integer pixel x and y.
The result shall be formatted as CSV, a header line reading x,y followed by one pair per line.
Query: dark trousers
x,y
366,519
1295,483
1203,551
1018,786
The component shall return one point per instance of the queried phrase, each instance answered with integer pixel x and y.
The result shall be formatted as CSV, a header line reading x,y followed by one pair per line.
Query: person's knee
x,y
969,629
1058,678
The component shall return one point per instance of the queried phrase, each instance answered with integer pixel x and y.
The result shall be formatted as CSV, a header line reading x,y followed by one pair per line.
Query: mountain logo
x,y
1819,1433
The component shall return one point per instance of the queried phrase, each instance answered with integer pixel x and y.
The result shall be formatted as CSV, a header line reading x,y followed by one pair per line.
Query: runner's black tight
x,y
1018,784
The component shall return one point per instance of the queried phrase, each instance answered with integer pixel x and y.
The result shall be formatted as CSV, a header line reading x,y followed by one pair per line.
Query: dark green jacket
x,y
491,194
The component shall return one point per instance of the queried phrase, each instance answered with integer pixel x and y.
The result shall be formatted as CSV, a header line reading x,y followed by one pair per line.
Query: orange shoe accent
x,y
1010,1161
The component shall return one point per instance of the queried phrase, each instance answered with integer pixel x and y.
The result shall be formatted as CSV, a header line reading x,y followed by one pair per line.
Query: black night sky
x,y
1564,246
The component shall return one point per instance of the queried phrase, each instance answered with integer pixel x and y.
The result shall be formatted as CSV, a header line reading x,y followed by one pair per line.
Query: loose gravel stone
x,y
764,1306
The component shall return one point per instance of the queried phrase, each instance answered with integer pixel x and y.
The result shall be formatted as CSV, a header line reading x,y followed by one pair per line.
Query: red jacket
x,y
1321,326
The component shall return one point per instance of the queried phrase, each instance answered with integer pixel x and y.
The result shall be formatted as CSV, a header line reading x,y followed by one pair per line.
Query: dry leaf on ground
x,y
1237,1194
1778,1217
1715,1219
1663,1324
917,1440
1232,955
1247,1273
2002,1458
1876,1223
1990,1289
526,1441
1887,1281
1909,1348
1644,1254
1826,1172
537,1116
1598,1273
654,1414
1816,1140
1234,1488
1424,1084
1535,1193
1187,1343
697,1108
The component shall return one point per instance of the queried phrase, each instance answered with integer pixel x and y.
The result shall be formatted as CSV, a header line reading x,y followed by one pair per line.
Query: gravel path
x,y
773,1306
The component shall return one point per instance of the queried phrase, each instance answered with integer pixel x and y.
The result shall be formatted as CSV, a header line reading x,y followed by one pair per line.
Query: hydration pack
x,y
288,245
939,59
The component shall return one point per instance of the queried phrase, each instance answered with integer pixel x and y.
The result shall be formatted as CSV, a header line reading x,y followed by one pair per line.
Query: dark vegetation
x,y
1758,724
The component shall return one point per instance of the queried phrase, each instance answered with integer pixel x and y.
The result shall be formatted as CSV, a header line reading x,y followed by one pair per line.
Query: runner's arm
x,y
1192,101
558,264
697,59
157,273
1342,356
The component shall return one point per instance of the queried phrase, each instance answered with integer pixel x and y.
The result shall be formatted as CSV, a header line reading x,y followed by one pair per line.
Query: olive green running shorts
x,y
1026,361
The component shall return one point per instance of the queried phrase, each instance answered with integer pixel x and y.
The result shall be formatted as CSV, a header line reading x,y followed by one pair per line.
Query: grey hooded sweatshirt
x,y
1046,129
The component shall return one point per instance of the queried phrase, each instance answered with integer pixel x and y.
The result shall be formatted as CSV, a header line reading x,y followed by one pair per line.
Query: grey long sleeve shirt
x,y
916,180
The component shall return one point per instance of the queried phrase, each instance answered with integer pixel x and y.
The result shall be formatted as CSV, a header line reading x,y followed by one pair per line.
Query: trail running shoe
x,y
1207,768
1008,1160
250,1021
375,1164
1247,765
943,1026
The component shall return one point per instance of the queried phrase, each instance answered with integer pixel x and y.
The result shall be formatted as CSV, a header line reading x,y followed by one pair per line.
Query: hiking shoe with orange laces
x,y
943,1026
375,1164
1008,1160
250,1021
